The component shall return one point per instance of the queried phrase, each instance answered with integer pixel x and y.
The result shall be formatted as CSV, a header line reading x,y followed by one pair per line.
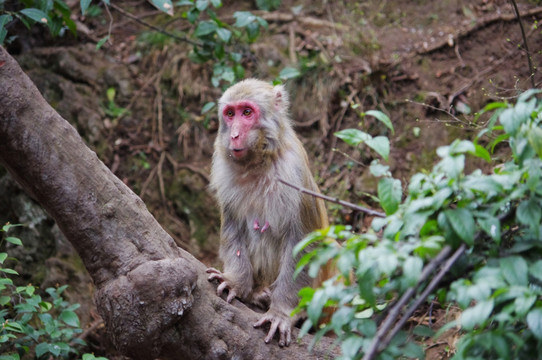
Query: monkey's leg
x,y
284,298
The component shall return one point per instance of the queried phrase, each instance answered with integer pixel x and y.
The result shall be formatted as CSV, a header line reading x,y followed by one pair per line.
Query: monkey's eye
x,y
247,111
229,113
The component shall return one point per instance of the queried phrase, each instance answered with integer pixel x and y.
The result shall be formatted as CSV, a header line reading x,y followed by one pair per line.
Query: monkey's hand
x,y
280,321
225,284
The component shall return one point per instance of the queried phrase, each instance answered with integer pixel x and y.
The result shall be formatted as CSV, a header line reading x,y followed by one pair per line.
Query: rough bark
x,y
154,297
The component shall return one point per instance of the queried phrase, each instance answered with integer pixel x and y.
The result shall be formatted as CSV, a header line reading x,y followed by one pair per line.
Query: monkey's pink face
x,y
241,118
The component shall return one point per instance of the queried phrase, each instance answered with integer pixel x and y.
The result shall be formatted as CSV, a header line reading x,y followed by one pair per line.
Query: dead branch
x,y
334,200
304,20
486,21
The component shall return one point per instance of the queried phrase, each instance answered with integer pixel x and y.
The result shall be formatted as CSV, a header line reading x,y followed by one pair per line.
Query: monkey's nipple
x,y
256,226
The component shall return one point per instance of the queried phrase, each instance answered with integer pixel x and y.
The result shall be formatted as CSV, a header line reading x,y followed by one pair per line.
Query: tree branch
x,y
155,28
333,200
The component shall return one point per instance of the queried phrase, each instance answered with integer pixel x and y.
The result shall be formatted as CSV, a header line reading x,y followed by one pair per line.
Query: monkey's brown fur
x,y
258,261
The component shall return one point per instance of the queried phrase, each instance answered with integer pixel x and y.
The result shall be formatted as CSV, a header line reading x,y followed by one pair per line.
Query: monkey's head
x,y
252,116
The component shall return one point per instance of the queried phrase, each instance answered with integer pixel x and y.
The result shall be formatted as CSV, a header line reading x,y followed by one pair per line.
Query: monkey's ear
x,y
282,100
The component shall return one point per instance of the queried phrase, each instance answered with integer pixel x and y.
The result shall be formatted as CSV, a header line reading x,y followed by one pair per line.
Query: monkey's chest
x,y
268,223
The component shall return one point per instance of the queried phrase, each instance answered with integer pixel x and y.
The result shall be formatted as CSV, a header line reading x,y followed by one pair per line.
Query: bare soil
x,y
430,65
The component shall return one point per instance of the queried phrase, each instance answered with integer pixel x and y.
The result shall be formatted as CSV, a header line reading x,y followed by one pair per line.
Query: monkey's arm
x,y
237,277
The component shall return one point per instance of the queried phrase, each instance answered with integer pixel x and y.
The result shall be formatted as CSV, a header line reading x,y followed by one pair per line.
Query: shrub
x,y
489,223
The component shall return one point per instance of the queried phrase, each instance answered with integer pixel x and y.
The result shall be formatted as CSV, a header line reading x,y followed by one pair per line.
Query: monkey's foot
x,y
262,298
224,283
280,322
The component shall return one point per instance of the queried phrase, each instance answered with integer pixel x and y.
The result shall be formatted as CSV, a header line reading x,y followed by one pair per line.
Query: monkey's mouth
x,y
239,153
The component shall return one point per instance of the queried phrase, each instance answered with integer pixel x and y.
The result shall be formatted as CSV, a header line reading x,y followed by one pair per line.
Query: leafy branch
x,y
493,222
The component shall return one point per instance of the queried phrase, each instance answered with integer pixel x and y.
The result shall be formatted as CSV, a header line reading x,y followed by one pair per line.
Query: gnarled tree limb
x,y
154,297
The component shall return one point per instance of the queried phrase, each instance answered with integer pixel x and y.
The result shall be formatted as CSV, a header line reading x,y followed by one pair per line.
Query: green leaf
x,y
535,269
412,269
84,6
236,57
389,194
529,213
15,327
412,350
4,19
377,169
6,227
535,140
36,15
477,314
253,30
42,349
205,28
462,223
492,227
102,42
461,147
223,34
45,306
481,152
289,73
4,300
239,71
208,106
513,118
201,5
534,321
243,18
523,303
314,310
9,271
514,269
379,115
14,240
216,3
70,318
353,136
381,145
163,5
351,345
3,257
423,330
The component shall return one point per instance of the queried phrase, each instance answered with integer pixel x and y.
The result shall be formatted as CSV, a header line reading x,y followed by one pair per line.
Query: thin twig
x,y
160,177
529,60
333,200
394,312
150,26
110,23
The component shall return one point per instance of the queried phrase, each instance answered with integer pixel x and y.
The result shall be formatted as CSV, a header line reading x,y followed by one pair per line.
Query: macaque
x,y
261,218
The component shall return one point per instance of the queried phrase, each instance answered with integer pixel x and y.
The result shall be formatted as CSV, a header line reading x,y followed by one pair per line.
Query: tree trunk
x,y
154,297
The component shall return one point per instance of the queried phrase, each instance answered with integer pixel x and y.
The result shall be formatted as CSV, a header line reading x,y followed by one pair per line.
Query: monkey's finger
x,y
213,270
260,322
231,295
288,332
216,276
272,331
221,287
